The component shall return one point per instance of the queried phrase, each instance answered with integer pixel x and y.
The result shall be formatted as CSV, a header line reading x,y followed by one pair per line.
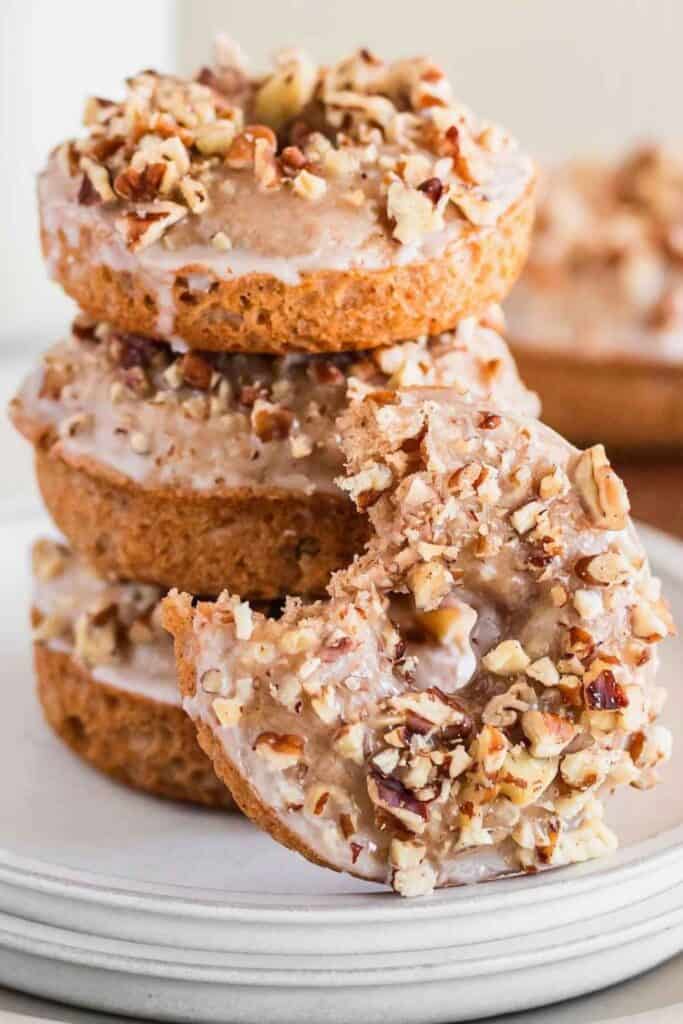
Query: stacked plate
x,y
112,900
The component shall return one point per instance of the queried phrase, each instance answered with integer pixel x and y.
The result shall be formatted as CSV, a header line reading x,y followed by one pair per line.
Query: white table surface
x,y
653,998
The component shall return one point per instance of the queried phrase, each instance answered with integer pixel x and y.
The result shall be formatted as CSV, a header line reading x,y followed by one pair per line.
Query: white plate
x,y
121,902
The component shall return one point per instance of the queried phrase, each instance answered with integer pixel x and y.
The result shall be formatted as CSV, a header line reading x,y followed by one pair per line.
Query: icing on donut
x,y
516,552
113,629
361,165
222,420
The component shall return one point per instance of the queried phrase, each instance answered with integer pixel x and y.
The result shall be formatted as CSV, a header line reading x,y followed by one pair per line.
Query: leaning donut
x,y
483,744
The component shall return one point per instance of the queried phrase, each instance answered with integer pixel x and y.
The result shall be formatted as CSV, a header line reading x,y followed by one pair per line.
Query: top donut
x,y
315,208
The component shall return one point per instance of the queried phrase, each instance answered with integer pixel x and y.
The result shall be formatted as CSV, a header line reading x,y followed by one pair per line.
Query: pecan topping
x,y
271,422
489,420
140,186
197,371
605,694
87,194
394,795
432,188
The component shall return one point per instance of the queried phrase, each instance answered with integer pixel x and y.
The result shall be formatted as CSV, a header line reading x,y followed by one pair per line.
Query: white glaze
x,y
147,670
223,450
339,240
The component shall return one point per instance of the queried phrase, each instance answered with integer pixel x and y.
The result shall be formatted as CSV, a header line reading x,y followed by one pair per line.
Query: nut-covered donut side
x,y
106,680
368,207
206,470
516,555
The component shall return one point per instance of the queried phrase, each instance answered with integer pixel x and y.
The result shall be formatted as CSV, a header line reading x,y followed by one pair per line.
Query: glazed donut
x,y
516,553
316,209
106,680
210,470
596,322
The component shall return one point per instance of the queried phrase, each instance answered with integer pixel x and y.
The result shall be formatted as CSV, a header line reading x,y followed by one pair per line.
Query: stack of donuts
x,y
413,628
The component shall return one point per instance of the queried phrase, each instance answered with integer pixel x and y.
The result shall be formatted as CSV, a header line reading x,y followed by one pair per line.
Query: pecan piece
x,y
281,750
196,370
140,186
393,797
601,490
604,693
432,188
488,420
271,422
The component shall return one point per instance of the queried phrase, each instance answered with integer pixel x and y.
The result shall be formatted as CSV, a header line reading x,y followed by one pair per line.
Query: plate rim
x,y
610,931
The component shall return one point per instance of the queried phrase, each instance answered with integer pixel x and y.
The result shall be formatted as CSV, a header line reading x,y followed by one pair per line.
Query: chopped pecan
x,y
336,649
55,377
292,160
432,188
324,371
489,420
281,750
603,493
241,152
83,328
95,186
129,350
271,422
140,186
394,797
196,370
141,228
604,693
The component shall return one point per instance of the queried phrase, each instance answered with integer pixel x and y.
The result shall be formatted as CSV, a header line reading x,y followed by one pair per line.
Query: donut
x,y
316,209
106,680
596,322
207,470
515,552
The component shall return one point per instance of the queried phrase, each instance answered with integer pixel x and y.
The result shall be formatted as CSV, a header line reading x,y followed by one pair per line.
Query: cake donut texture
x,y
596,322
106,680
210,470
321,209
514,549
